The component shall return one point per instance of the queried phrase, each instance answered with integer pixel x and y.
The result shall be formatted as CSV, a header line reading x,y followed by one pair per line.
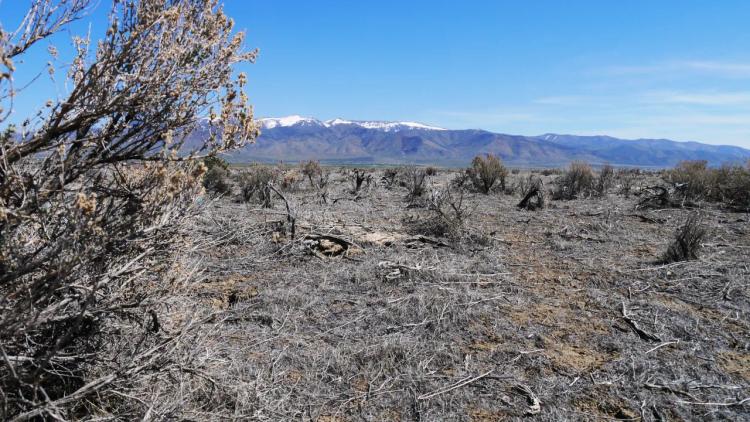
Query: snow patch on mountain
x,y
272,122
386,126
288,121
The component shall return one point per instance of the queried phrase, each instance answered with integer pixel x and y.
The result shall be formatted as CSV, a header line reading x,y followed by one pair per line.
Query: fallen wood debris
x,y
397,270
634,325
417,240
659,197
567,235
533,200
325,245
647,219
459,384
534,406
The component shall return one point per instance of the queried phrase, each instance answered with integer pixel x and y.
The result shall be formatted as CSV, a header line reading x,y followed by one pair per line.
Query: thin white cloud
x,y
707,67
697,98
564,100
690,120
722,68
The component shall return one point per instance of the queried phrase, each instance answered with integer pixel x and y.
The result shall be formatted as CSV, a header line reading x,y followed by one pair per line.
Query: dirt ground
x,y
555,314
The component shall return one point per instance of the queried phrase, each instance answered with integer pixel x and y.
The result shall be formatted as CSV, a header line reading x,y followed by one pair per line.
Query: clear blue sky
x,y
676,69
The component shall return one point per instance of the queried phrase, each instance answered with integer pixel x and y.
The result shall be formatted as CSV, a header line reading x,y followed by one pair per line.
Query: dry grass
x,y
407,329
688,241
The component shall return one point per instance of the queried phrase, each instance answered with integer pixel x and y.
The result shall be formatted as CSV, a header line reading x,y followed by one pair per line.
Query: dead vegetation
x,y
312,170
414,180
254,184
604,180
96,190
531,189
688,241
127,294
728,184
359,178
468,307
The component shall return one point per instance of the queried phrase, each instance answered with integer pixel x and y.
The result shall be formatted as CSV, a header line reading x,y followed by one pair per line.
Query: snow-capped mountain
x,y
289,121
297,138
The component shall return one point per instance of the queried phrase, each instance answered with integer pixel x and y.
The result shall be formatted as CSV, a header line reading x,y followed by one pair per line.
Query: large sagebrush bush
x,y
578,180
692,178
216,179
696,181
255,184
732,187
93,190
312,170
486,171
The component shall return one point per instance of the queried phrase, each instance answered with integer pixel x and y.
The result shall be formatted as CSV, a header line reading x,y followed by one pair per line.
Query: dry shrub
x,y
358,177
731,186
390,177
460,180
532,191
255,184
728,184
576,181
321,184
692,179
687,241
486,171
430,171
605,180
290,181
448,213
94,191
414,179
625,178
312,170
551,172
660,197
525,184
216,179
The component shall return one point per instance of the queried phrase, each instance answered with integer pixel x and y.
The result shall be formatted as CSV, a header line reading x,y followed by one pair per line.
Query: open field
x,y
563,313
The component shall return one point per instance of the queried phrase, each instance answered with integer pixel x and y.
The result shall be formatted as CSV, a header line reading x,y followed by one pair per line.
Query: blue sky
x,y
671,69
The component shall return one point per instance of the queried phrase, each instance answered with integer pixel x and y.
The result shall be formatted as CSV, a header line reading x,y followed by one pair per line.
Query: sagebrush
x,y
486,171
93,191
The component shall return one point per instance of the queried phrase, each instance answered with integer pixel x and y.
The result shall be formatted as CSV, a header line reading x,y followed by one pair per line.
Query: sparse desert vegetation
x,y
143,277
463,306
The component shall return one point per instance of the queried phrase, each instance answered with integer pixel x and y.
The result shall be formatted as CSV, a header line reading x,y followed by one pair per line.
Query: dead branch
x,y
459,384
634,325
534,406
291,217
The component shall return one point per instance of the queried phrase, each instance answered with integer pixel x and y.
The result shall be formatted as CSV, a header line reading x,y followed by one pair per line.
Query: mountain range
x,y
296,138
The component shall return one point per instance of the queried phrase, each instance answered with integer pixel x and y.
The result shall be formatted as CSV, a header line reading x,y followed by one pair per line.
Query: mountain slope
x,y
296,138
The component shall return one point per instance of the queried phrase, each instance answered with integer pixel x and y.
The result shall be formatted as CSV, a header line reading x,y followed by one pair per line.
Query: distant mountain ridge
x,y
297,138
